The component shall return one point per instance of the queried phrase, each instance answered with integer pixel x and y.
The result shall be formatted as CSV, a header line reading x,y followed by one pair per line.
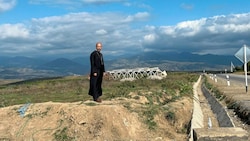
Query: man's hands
x,y
104,74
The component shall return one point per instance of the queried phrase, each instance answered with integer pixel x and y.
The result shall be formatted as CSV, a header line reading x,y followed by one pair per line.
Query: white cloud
x,y
225,32
187,6
7,5
101,32
76,34
226,24
150,38
190,28
140,16
50,2
150,28
101,1
76,3
13,31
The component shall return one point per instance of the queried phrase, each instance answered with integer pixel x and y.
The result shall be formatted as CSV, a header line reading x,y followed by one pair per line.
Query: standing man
x,y
96,73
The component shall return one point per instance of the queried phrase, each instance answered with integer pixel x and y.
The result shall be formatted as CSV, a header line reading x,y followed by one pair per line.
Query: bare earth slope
x,y
117,119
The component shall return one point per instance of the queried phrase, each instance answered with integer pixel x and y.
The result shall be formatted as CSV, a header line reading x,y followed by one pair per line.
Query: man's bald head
x,y
98,46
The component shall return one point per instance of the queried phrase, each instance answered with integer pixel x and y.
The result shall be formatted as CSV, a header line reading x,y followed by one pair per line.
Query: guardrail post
x,y
215,78
228,82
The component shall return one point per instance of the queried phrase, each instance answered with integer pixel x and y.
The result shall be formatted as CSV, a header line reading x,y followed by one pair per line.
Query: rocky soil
x,y
117,119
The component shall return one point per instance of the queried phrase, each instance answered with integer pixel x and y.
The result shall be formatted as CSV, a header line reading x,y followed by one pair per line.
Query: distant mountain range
x,y
172,61
21,67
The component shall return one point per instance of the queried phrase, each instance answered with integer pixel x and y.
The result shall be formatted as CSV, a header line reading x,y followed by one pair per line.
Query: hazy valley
x,y
21,67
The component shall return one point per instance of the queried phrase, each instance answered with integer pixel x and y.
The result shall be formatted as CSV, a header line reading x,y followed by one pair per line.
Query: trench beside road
x,y
211,119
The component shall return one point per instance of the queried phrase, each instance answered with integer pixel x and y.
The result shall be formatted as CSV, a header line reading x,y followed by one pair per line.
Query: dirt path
x,y
206,110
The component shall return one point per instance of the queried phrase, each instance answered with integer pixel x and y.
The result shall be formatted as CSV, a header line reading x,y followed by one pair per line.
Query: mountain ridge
x,y
28,67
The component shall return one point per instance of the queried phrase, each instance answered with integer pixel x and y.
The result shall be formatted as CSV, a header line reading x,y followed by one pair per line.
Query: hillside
x,y
60,109
86,120
63,67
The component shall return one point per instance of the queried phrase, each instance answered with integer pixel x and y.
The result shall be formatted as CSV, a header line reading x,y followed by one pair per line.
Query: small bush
x,y
61,135
149,114
170,116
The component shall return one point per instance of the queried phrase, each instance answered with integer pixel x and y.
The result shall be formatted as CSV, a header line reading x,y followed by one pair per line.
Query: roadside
x,y
233,92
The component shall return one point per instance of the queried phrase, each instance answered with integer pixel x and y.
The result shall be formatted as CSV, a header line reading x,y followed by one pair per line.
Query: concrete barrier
x,y
220,134
226,130
197,117
222,116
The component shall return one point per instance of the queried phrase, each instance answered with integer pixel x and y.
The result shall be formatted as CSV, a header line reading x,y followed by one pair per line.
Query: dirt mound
x,y
110,120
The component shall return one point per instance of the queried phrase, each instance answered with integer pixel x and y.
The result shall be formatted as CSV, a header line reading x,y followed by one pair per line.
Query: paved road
x,y
234,77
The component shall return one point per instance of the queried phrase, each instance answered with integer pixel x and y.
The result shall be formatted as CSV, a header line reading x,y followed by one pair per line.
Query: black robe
x,y
97,66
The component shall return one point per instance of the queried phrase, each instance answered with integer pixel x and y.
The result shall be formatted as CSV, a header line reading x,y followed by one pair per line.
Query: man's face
x,y
99,47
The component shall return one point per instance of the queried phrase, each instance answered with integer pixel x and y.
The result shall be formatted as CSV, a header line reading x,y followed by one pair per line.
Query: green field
x,y
75,88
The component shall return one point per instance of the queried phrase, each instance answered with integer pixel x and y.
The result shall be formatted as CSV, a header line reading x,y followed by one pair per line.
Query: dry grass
x,y
160,104
75,88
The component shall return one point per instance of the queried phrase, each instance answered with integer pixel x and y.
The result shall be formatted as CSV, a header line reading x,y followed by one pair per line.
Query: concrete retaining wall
x,y
222,116
226,131
197,117
220,134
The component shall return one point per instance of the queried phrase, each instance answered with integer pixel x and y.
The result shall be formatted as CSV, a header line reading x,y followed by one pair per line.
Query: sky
x,y
71,28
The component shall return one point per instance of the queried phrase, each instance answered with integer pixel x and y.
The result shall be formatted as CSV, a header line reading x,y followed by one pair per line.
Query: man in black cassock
x,y
96,73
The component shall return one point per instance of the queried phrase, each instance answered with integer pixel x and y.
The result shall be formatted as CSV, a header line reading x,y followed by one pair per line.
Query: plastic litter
x,y
23,109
